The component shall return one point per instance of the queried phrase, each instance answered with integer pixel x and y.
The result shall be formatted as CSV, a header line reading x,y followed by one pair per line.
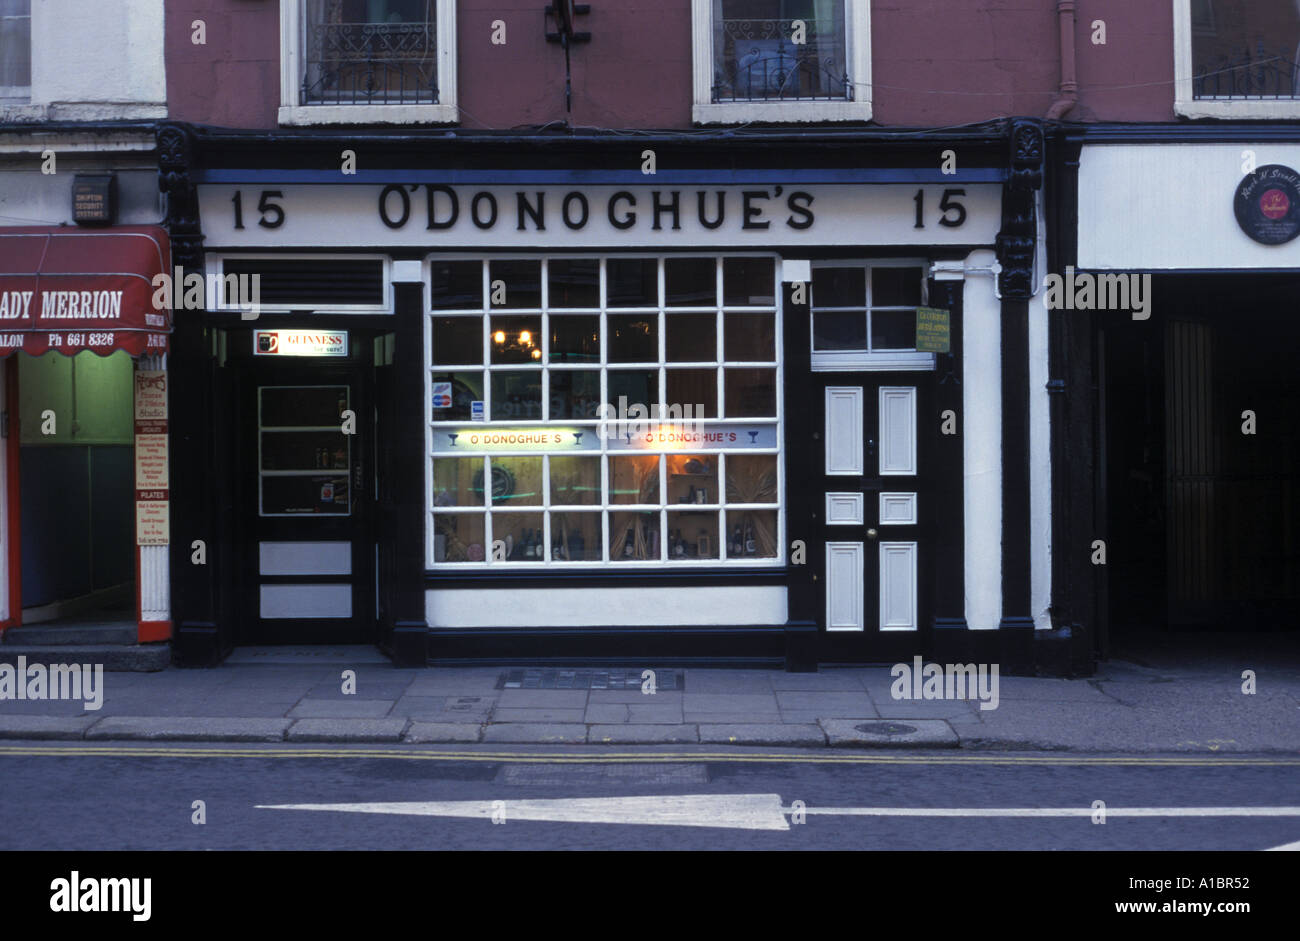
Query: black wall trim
x,y
603,579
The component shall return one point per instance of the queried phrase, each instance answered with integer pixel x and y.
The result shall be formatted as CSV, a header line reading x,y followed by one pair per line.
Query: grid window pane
x,y
840,330
516,339
457,341
756,58
573,282
696,389
575,537
575,339
749,338
634,537
748,282
893,329
457,481
516,481
896,287
635,386
1245,49
575,481
634,479
839,287
693,535
466,388
690,338
751,393
457,285
690,282
752,534
518,537
751,478
515,283
692,478
458,537
632,282
517,396
633,338
575,394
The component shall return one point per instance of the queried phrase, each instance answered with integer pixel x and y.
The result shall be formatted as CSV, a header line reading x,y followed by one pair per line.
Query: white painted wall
x,y
1168,206
601,607
1040,454
97,60
982,442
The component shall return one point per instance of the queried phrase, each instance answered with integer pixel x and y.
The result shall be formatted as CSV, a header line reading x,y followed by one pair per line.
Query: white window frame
x,y
292,38
20,94
1189,106
870,360
606,506
857,52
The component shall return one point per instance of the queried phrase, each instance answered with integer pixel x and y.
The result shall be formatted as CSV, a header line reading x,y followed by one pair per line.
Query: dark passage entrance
x,y
1203,518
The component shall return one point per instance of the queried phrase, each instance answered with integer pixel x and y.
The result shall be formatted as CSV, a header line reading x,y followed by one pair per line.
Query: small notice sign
x,y
933,330
152,521
442,395
476,411
300,343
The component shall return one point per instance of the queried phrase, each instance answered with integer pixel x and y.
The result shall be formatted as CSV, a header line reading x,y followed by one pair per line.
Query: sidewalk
x,y
1176,704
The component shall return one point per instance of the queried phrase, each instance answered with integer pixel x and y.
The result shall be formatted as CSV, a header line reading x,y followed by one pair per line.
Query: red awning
x,y
69,290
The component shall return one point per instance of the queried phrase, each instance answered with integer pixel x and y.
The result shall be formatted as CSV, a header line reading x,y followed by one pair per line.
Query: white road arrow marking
x,y
739,811
1294,847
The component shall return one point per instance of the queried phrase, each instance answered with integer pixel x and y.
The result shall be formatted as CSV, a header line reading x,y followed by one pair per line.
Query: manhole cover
x,y
544,678
885,728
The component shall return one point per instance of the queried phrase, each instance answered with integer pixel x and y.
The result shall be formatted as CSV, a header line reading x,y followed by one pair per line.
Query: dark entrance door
x,y
304,500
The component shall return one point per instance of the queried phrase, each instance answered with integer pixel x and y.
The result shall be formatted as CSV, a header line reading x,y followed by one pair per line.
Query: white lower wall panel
x,y
898,586
605,607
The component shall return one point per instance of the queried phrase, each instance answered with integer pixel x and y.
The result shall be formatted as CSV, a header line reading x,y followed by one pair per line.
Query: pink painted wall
x,y
935,63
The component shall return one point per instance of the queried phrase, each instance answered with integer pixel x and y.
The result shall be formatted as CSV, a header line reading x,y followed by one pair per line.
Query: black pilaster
x,y
803,468
943,516
410,636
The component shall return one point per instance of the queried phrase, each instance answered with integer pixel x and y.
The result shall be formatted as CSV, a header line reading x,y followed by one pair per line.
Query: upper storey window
x,y
367,61
782,60
1237,58
15,49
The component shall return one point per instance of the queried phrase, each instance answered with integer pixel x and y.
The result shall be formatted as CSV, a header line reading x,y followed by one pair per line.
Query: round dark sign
x,y
1267,204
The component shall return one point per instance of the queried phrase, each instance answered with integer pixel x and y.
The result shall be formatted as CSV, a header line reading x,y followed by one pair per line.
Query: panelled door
x,y
307,556
871,522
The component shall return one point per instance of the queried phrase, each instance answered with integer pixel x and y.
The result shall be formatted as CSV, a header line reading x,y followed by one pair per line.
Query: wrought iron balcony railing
x,y
1261,74
370,63
757,60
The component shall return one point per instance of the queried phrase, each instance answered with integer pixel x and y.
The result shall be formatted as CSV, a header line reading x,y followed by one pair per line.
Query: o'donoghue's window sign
x,y
459,216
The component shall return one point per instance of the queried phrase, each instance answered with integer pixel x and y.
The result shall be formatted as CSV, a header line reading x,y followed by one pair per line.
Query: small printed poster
x,y
933,330
150,395
151,462
152,522
477,411
442,395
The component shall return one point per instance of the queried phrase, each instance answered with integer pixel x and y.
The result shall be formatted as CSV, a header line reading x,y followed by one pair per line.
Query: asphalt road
x,y
141,797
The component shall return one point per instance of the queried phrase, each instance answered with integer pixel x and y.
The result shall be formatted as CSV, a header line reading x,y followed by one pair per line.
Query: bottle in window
x,y
557,547
736,544
679,545
627,545
749,539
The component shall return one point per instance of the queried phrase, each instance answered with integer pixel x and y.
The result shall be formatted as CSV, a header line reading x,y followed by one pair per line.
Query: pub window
x,y
540,455
15,49
395,58
782,60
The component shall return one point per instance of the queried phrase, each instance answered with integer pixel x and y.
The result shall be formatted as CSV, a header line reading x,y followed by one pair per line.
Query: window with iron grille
x,y
370,52
782,50
1245,49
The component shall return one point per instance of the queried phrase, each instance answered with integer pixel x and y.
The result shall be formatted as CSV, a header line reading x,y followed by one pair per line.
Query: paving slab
x,y
655,713
608,713
535,733
538,714
551,698
347,730
823,681
53,728
188,729
887,733
341,709
763,734
630,696
730,702
421,733
829,704
730,681
642,734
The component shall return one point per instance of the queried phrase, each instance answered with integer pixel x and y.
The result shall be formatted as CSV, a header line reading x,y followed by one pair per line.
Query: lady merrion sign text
x,y
437,215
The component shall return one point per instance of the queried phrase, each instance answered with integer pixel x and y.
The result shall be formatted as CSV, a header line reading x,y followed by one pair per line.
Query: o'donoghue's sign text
x,y
458,216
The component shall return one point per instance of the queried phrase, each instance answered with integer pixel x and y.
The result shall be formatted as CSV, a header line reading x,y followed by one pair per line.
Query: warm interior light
x,y
499,336
537,354
525,337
